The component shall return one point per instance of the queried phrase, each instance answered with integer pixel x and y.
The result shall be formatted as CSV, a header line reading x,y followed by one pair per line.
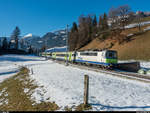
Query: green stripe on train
x,y
65,57
54,55
111,61
69,56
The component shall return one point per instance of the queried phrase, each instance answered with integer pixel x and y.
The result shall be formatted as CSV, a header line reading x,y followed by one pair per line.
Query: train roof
x,y
57,49
64,49
95,50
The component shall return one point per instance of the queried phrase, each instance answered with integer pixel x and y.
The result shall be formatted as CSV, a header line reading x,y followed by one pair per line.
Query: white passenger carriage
x,y
105,57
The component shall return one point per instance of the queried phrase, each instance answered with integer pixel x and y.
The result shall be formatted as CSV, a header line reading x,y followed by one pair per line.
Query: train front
x,y
111,58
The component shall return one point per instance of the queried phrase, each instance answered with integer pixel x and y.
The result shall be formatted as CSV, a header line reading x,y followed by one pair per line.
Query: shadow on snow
x,y
10,72
18,59
118,107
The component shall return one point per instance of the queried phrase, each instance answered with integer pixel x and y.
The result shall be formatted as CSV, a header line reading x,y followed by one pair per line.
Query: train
x,y
102,58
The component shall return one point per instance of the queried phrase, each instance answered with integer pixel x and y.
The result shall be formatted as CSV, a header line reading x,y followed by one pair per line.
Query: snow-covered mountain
x,y
29,40
50,39
29,37
53,39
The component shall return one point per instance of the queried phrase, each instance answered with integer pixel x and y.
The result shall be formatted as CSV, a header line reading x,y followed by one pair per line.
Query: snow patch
x,y
136,24
28,35
26,90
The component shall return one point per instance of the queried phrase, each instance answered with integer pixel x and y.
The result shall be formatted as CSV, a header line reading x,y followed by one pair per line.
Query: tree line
x,y
107,26
5,44
12,45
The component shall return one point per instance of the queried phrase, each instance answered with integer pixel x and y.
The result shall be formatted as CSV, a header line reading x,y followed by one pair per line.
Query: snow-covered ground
x,y
64,85
9,64
136,24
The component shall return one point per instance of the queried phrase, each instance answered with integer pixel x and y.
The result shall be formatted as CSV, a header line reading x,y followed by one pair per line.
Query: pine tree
x,y
43,48
9,44
105,23
74,27
0,44
15,36
100,22
89,28
94,27
30,51
73,37
0,47
5,44
94,22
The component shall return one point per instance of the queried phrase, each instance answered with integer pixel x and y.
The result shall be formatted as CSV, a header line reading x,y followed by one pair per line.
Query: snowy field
x,y
64,85
9,64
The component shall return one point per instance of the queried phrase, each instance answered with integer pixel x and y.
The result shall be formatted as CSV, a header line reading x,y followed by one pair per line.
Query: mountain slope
x,y
50,39
138,48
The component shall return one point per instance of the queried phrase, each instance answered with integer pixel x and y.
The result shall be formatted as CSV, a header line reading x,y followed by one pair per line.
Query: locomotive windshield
x,y
111,54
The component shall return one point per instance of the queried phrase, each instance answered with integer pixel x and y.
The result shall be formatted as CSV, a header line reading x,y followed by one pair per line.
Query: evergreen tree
x,y
9,45
0,44
94,23
15,36
105,23
100,22
73,37
5,44
89,28
74,28
94,27
43,48
30,51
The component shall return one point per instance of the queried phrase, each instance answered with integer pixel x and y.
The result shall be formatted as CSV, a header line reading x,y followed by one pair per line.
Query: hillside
x,y
137,48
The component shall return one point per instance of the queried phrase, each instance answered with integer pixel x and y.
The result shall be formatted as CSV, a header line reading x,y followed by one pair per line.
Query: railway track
x,y
118,73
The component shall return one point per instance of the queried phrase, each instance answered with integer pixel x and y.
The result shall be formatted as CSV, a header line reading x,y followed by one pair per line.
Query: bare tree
x,y
120,16
123,12
84,30
139,17
113,17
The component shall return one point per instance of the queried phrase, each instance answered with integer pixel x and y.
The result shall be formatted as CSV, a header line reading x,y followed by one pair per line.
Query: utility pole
x,y
45,50
67,46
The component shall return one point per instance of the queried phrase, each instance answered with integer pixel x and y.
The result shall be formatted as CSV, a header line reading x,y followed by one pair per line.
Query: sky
x,y
41,16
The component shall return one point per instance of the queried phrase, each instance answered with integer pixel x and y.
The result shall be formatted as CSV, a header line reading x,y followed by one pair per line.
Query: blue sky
x,y
41,16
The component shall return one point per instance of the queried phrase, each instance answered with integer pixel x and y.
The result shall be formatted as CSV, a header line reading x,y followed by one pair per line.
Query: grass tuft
x,y
83,107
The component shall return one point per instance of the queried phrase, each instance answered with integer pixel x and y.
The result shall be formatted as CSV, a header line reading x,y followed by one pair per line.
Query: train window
x,y
88,54
92,54
61,55
83,54
111,55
